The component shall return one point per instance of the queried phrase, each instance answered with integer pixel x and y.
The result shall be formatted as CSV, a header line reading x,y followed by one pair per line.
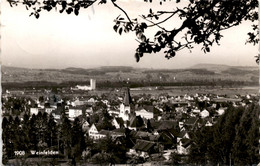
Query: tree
x,y
41,99
245,146
232,140
224,135
33,133
175,158
149,77
41,127
109,151
65,136
105,121
52,132
25,133
201,140
77,139
7,137
201,22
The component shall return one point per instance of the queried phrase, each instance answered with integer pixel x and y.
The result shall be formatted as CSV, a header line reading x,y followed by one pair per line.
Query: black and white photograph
x,y
130,82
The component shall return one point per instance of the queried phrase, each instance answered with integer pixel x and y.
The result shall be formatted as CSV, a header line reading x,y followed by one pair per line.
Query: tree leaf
x,y
115,27
158,33
37,15
76,12
120,30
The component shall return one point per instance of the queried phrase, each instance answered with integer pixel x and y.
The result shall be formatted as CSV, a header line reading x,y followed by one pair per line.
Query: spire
x,y
127,99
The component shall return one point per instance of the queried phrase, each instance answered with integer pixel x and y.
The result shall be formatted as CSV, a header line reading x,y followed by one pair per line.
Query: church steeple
x,y
127,98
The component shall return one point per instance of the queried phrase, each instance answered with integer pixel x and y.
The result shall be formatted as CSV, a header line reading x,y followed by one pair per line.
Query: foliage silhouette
x,y
202,22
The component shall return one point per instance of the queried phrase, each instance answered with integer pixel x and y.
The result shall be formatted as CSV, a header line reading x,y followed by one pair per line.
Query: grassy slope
x,y
200,72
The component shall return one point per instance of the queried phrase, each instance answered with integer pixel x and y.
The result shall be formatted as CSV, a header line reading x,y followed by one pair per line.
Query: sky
x,y
59,41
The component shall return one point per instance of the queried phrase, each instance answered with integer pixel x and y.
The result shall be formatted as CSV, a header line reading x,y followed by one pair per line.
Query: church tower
x,y
125,108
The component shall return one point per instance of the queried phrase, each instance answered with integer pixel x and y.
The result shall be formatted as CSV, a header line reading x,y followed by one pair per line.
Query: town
x,y
121,128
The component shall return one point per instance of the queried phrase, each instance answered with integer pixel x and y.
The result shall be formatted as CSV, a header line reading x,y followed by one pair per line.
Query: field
x,y
174,91
211,77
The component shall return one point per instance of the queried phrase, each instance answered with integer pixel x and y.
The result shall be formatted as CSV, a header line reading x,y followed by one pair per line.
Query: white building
x,y
221,111
144,114
74,112
94,134
49,110
125,107
92,84
34,111
204,113
85,87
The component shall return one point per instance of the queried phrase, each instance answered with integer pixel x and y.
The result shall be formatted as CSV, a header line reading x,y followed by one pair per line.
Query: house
x,y
94,133
113,134
181,124
204,113
167,154
209,123
91,101
56,114
183,146
85,126
167,124
118,122
135,123
144,148
78,102
183,143
75,112
196,111
191,121
140,135
221,111
48,110
113,113
34,111
183,134
144,114
89,110
168,138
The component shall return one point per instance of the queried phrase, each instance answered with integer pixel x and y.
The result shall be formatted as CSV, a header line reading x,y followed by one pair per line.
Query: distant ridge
x,y
197,66
12,67
221,67
206,65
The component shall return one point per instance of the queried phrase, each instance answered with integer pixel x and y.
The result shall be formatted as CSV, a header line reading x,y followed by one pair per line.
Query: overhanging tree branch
x,y
113,1
202,22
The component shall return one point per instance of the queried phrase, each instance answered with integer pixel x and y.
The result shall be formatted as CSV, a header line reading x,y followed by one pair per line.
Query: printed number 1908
x,y
19,153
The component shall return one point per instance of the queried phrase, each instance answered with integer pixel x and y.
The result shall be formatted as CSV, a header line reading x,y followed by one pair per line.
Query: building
x,y
91,87
144,114
92,84
75,112
34,111
204,113
125,108
94,133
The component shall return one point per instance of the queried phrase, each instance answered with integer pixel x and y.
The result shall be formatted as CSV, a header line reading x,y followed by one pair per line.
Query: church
x,y
125,108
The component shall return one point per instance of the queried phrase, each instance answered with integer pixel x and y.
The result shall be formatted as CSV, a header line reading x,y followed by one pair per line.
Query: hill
x,y
199,73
